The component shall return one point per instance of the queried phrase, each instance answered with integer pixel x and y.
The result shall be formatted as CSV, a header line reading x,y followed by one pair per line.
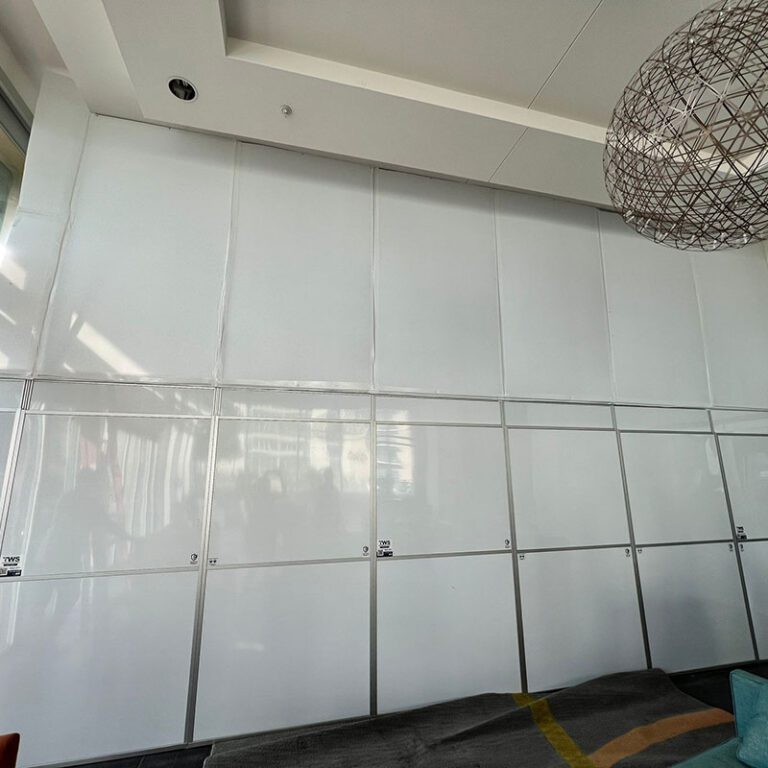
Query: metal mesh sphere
x,y
686,156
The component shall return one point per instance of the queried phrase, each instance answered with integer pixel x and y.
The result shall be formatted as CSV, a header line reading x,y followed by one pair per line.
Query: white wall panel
x,y
139,286
290,491
55,146
27,264
6,433
11,391
733,293
276,404
95,666
441,489
580,616
96,493
754,558
746,471
653,315
750,422
694,606
567,488
147,399
663,419
300,278
283,646
675,488
554,322
437,318
440,410
558,415
446,629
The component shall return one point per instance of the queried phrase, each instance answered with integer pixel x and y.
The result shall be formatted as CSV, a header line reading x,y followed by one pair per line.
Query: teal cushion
x,y
753,749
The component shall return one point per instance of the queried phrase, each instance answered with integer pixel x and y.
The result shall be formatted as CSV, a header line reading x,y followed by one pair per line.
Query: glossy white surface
x,y
694,606
580,616
567,488
437,321
446,629
675,488
139,285
111,652
554,321
437,410
754,422
120,398
754,558
746,471
300,267
95,493
6,433
10,394
653,315
27,263
558,415
733,287
441,489
663,419
274,404
290,491
283,646
55,146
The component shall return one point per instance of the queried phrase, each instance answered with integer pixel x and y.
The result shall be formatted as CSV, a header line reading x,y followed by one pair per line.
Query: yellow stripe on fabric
x,y
523,699
555,734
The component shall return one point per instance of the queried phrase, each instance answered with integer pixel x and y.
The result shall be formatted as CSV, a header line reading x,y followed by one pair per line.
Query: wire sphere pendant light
x,y
686,155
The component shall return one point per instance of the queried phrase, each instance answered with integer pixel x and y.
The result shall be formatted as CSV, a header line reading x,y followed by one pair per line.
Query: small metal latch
x,y
628,552
522,557
193,558
213,560
507,543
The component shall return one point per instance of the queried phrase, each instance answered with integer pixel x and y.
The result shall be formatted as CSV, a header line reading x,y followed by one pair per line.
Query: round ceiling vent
x,y
182,89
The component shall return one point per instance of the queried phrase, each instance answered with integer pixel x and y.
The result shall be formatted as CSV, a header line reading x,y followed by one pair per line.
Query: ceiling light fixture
x,y
686,155
182,89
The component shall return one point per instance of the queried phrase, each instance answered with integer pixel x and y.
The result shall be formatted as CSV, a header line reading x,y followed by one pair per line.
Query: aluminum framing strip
x,y
438,555
102,574
632,545
515,555
14,449
736,540
373,606
282,563
197,632
689,543
546,428
292,420
576,548
414,423
122,414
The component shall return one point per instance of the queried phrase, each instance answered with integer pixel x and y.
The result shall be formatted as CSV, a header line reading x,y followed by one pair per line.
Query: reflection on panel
x,y
290,491
446,629
283,646
437,321
558,415
27,264
653,314
139,284
663,419
277,404
567,488
301,268
733,288
754,557
441,489
121,398
675,488
580,615
95,666
437,409
96,493
694,606
750,422
553,311
6,433
746,472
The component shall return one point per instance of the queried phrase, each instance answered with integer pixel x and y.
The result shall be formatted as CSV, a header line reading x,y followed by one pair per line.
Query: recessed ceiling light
x,y
182,89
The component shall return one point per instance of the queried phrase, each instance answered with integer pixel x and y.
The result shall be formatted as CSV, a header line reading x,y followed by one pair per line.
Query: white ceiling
x,y
514,93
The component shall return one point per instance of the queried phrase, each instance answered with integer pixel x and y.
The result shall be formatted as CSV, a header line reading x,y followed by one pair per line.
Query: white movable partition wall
x,y
105,517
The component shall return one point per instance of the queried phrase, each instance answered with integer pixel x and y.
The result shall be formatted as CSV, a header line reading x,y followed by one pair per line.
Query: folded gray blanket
x,y
628,720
